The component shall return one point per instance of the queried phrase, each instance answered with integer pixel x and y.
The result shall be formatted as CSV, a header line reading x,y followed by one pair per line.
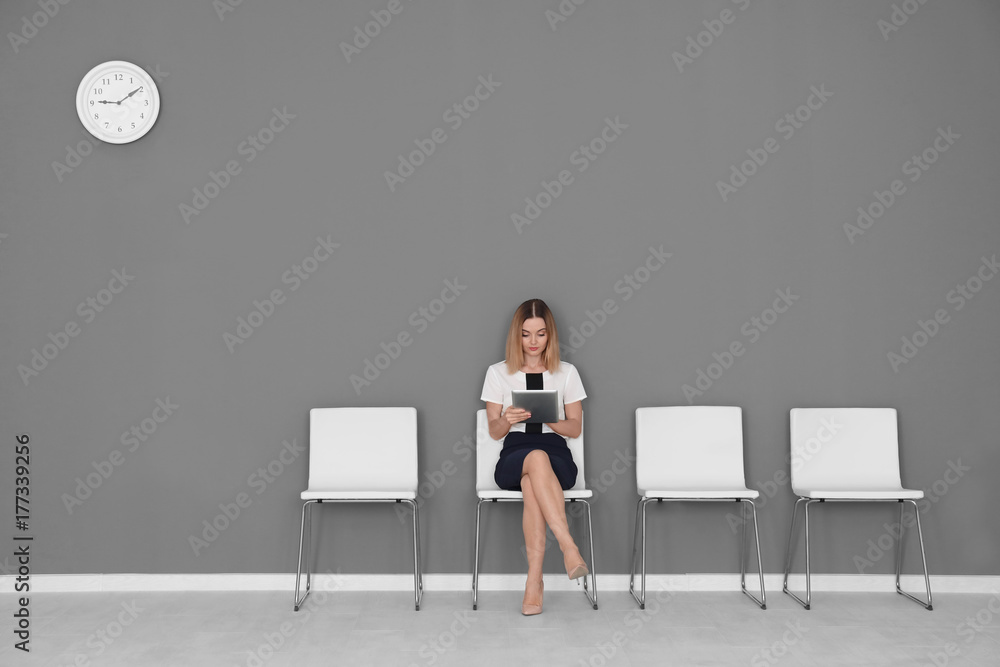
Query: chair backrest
x,y
363,449
488,453
689,447
844,448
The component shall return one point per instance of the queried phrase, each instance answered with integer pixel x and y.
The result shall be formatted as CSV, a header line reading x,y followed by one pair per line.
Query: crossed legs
x,y
544,504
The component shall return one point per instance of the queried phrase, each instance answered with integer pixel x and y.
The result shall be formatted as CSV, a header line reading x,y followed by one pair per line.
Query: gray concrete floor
x,y
253,629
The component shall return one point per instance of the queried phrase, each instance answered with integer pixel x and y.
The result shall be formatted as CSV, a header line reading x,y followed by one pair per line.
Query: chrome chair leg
x,y
929,605
309,545
743,544
788,553
306,510
641,597
899,546
591,595
788,549
762,602
420,561
635,549
417,572
475,568
808,568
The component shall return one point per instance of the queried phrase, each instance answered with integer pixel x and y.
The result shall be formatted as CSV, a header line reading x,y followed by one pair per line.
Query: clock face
x,y
117,102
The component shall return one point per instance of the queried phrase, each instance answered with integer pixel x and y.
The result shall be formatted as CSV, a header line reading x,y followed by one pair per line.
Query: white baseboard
x,y
67,583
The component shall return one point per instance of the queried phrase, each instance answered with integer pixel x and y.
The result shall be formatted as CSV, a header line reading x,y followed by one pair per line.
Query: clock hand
x,y
129,95
107,102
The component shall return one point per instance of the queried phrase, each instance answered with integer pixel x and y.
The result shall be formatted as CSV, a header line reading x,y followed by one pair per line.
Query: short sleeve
x,y
492,387
573,391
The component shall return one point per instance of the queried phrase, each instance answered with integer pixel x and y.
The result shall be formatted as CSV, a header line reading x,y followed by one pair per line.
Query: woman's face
x,y
533,336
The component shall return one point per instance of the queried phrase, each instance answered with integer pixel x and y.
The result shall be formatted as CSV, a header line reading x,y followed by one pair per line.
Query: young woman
x,y
535,458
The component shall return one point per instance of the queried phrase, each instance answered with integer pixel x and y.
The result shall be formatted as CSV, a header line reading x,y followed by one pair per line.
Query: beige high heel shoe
x,y
532,609
575,565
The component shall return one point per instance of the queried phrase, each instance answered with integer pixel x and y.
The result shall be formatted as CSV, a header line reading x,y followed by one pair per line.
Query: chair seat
x,y
319,494
517,495
692,494
883,493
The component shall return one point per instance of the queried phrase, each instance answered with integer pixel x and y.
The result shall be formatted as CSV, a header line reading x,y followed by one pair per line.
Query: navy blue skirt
x,y
517,445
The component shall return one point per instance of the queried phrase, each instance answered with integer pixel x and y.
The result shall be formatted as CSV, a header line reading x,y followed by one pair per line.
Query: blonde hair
x,y
515,354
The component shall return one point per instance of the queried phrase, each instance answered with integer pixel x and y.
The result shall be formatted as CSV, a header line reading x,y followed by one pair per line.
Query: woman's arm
x,y
499,424
572,426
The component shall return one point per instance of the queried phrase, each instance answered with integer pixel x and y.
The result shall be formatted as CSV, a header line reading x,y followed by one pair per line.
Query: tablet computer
x,y
543,404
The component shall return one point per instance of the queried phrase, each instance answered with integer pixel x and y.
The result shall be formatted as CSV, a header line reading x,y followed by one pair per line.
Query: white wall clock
x,y
117,102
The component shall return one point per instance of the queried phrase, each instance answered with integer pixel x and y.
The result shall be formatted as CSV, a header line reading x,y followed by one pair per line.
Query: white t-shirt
x,y
566,380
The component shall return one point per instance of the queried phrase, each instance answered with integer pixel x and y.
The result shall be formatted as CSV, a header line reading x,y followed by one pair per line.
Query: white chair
x,y
848,455
360,455
487,455
692,453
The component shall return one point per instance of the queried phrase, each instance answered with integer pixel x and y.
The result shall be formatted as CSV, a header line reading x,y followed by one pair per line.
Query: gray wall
x,y
655,185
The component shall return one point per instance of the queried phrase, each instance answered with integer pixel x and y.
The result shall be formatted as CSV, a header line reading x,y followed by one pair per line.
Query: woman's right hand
x,y
514,415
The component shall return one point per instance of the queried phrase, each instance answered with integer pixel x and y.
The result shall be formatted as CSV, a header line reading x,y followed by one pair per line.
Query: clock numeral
x,y
98,91
96,116
140,89
130,80
133,126
106,124
91,102
142,115
119,128
147,103
105,82
119,77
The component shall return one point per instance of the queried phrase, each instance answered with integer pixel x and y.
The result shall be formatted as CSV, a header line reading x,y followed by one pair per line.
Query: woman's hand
x,y
514,415
572,426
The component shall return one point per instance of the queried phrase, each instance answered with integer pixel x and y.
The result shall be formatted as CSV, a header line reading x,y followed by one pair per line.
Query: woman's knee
x,y
537,460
